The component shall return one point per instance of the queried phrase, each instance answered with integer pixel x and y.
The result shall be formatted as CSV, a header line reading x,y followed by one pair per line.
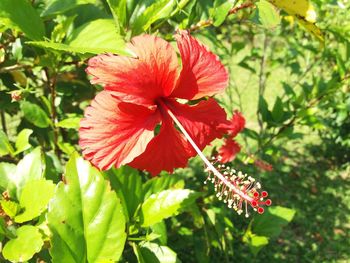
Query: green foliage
x,y
95,37
34,114
34,198
164,204
267,14
28,241
21,16
84,202
152,252
5,146
291,85
268,225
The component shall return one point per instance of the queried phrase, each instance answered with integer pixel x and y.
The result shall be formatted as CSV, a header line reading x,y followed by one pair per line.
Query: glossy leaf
x,y
24,246
158,10
165,204
30,168
69,123
100,33
61,6
20,15
164,182
84,202
7,170
127,183
221,9
22,142
118,9
96,37
9,207
35,115
34,199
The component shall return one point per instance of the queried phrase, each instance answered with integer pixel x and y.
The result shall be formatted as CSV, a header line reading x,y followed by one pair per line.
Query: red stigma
x,y
254,203
239,191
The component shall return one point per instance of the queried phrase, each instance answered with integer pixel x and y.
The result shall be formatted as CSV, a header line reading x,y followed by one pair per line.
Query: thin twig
x,y
13,67
209,22
3,121
291,123
51,83
262,80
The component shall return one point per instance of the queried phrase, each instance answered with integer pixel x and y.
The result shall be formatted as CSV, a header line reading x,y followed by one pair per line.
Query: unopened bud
x,y
16,95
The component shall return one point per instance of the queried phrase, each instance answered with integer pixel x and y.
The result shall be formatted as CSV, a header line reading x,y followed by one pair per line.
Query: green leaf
x,y
277,111
30,168
152,252
9,207
264,110
118,9
267,14
271,222
34,199
221,9
160,230
95,37
3,229
55,7
69,123
165,204
342,69
255,243
128,186
7,170
164,182
22,142
5,146
158,10
20,15
84,202
35,115
28,242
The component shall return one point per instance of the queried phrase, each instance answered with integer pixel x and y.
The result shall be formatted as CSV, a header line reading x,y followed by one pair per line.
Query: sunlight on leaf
x,y
84,202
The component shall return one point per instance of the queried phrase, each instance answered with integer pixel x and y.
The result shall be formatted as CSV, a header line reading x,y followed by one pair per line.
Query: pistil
x,y
236,189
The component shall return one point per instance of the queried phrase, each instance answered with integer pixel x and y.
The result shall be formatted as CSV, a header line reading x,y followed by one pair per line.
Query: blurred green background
x,y
292,86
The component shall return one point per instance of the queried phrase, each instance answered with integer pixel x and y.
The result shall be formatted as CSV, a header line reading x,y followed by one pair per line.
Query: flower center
x,y
236,189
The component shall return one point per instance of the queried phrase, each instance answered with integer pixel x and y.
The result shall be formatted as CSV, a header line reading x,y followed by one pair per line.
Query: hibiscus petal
x,y
114,132
229,150
168,150
202,73
234,126
200,120
138,80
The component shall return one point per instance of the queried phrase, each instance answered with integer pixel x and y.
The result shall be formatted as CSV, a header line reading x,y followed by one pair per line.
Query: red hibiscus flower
x,y
230,148
138,119
119,125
